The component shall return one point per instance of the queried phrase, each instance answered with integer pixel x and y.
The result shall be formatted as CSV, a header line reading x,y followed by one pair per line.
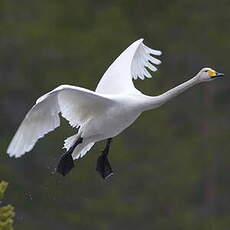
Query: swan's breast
x,y
111,122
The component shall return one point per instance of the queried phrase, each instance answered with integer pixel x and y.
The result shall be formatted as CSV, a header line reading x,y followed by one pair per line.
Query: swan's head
x,y
208,74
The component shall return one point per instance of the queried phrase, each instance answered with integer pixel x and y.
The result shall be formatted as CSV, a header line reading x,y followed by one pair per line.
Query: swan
x,y
101,114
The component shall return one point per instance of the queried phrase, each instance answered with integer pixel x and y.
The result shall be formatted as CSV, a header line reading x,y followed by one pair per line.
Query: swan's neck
x,y
153,102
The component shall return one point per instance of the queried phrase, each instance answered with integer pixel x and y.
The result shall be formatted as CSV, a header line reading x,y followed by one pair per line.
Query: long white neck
x,y
153,102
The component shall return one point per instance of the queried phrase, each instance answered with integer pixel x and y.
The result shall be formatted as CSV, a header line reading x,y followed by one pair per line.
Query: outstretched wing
x,y
75,104
130,64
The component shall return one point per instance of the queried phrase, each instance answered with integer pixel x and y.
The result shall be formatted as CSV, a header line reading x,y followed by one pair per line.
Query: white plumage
x,y
130,64
99,115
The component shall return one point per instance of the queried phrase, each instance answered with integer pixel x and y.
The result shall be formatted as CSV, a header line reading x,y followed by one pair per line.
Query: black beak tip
x,y
219,74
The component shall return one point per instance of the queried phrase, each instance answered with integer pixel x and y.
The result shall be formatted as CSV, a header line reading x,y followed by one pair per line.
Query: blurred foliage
x,y
171,166
6,212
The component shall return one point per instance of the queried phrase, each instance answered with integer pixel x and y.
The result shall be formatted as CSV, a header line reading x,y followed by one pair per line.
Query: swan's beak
x,y
214,74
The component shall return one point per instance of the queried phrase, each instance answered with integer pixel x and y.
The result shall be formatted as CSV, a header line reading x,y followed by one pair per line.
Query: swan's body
x,y
102,114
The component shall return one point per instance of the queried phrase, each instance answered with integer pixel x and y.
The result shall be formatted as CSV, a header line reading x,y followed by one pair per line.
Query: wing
x,y
75,104
130,64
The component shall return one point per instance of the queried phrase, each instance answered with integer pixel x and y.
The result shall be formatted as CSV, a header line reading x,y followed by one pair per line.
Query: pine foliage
x,y
6,212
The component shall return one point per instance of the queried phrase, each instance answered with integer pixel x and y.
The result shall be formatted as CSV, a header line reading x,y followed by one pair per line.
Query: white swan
x,y
98,115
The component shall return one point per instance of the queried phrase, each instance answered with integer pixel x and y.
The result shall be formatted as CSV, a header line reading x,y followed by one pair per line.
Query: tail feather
x,y
81,149
68,143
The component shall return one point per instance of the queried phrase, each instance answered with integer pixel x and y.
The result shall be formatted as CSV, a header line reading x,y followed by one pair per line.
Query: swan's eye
x,y
206,71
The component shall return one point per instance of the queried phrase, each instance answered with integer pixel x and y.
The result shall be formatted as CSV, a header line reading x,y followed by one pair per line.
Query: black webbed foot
x,y
66,161
65,164
103,167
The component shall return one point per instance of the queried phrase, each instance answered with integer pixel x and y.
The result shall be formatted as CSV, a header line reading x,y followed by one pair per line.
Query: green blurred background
x,y
171,166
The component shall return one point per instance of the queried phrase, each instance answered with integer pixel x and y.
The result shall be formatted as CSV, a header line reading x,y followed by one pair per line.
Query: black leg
x,y
103,165
66,161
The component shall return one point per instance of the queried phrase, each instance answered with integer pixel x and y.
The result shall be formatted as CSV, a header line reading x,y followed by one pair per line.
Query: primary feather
x,y
131,64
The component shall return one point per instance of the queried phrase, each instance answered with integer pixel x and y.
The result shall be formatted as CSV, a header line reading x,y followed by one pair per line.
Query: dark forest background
x,y
171,166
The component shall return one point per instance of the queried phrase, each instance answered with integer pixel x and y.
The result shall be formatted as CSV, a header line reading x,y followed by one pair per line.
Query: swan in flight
x,y
101,114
